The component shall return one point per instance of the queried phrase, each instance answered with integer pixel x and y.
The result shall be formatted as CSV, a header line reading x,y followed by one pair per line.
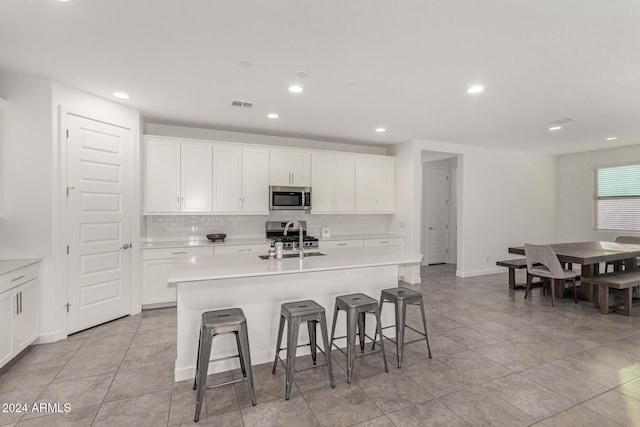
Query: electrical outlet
x,y
402,224
488,259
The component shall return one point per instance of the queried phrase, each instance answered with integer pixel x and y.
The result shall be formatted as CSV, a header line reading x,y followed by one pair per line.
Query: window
x,y
618,198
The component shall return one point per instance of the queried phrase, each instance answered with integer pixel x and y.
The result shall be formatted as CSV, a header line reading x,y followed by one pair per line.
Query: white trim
x,y
474,273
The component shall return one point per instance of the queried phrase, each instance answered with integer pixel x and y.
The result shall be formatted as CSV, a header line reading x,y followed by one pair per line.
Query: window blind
x,y
618,198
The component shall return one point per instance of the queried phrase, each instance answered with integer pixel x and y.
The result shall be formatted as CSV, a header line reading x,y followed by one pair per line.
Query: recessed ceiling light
x,y
273,115
302,74
612,138
121,95
475,89
380,130
295,89
64,1
555,128
350,83
244,63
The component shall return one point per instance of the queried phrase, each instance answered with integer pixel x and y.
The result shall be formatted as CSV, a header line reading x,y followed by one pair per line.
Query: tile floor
x,y
498,361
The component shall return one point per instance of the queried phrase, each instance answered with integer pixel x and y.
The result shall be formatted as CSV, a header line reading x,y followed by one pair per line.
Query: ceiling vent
x,y
241,104
562,121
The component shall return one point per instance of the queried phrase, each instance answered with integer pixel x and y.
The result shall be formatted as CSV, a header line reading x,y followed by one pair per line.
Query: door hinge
x,y
447,175
446,227
67,133
446,251
67,305
67,249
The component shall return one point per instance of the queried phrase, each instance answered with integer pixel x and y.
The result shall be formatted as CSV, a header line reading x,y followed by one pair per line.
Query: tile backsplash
x,y
196,227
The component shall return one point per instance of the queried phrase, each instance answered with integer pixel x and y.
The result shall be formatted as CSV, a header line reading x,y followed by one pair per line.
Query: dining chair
x,y
622,239
549,268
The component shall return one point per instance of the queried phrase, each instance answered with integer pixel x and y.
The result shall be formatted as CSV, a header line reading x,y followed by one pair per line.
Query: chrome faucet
x,y
300,234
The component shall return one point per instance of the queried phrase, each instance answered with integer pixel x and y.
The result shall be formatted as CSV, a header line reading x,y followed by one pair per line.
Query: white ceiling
x,y
412,61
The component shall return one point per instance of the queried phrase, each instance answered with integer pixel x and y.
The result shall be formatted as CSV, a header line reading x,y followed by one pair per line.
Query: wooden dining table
x,y
589,255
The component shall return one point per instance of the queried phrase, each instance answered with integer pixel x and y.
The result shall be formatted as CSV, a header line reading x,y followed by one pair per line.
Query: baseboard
x,y
474,273
51,337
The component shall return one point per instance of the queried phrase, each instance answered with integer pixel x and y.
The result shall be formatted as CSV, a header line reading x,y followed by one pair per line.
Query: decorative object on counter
x,y
215,237
278,250
272,253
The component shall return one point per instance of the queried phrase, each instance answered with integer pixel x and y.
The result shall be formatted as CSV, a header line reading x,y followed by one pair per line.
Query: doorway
x,y
98,221
439,210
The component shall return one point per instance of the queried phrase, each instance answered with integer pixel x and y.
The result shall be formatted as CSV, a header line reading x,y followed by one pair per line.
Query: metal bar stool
x,y
294,313
401,297
215,323
356,306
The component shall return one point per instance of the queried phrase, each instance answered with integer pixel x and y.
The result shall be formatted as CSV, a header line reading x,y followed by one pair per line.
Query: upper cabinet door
x,y
322,199
280,168
196,178
255,181
300,169
227,176
375,184
162,177
289,168
343,182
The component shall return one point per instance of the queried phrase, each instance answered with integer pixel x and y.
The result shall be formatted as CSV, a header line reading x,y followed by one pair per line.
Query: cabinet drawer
x,y
18,277
341,244
168,253
394,241
261,248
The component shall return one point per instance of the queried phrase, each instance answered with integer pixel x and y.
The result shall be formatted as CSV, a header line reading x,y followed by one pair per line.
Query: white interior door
x,y
437,232
98,222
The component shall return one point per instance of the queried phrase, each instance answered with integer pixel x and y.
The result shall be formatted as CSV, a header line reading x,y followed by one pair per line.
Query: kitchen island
x,y
259,287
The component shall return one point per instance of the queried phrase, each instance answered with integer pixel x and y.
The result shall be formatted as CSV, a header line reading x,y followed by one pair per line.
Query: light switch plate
x,y
326,232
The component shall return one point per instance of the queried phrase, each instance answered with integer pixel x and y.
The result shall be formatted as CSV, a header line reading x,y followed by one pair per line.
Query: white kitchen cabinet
x,y
347,243
375,181
332,183
6,327
290,168
260,249
240,180
178,177
156,267
392,241
18,311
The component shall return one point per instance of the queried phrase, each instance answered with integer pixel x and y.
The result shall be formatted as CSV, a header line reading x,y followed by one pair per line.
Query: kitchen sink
x,y
295,255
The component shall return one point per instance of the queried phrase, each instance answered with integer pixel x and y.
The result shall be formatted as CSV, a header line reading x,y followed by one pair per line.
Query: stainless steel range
x,y
275,232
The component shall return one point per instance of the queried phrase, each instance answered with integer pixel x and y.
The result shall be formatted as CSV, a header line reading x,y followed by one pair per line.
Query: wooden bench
x,y
626,280
512,265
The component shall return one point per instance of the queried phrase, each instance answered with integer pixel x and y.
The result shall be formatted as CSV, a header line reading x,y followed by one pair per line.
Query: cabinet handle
x,y
17,278
382,243
341,244
182,201
20,302
178,253
178,203
293,178
244,249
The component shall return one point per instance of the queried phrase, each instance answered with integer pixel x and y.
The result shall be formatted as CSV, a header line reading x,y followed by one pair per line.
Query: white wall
x,y
504,198
31,225
27,168
250,138
576,190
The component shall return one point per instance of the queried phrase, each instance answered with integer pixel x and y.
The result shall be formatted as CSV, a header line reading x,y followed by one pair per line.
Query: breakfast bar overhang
x,y
259,287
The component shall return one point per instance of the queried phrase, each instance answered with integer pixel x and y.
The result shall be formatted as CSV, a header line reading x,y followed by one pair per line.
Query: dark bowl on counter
x,y
215,237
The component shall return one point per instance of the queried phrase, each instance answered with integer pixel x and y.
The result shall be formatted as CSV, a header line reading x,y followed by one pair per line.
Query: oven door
x,y
289,198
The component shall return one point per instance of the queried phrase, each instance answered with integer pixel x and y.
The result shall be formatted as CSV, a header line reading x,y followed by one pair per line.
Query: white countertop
x,y
9,265
213,267
360,237
195,243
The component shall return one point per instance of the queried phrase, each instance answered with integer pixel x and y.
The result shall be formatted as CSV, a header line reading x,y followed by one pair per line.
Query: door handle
x,y
126,246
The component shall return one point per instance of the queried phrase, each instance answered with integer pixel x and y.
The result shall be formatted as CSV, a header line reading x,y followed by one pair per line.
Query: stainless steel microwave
x,y
289,198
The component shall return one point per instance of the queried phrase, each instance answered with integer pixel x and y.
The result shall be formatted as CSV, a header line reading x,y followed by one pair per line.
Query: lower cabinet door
x,y
155,286
7,307
26,321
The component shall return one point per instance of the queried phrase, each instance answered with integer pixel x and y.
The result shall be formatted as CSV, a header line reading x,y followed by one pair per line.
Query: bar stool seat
x,y
356,307
401,297
214,323
293,313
